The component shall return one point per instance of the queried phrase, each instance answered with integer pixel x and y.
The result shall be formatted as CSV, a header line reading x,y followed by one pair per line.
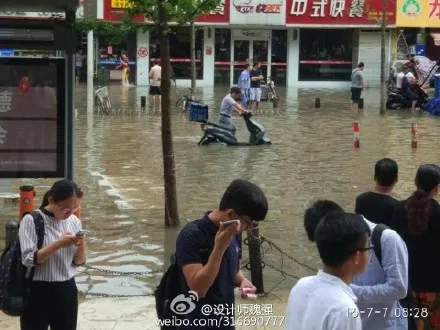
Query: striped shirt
x,y
59,267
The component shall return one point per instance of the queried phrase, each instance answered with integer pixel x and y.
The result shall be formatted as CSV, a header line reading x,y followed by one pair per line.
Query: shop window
x,y
325,54
180,55
109,57
222,59
279,57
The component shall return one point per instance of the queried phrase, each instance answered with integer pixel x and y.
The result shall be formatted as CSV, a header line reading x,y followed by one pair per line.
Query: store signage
x,y
219,15
258,12
245,34
42,14
114,11
418,13
337,12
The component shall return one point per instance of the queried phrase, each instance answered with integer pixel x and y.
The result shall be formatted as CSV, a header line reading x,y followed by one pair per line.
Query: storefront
x,y
329,39
297,42
420,29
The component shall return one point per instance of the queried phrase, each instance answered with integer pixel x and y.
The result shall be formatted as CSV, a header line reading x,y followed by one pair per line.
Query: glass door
x,y
260,51
249,51
241,56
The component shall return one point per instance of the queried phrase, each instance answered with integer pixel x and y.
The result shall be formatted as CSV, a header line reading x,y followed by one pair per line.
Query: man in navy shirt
x,y
255,91
208,254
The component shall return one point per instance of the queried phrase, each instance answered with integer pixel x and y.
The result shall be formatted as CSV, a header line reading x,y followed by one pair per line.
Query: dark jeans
x,y
53,304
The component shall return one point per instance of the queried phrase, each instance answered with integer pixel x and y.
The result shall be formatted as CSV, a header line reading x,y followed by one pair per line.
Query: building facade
x,y
308,43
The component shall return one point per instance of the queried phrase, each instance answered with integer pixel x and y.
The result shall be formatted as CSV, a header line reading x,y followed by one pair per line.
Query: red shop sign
x,y
338,12
112,14
218,15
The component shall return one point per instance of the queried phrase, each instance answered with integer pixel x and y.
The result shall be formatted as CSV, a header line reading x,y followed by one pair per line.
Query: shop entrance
x,y
249,46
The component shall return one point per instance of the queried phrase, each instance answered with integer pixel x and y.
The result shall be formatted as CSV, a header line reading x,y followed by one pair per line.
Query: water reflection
x,y
118,161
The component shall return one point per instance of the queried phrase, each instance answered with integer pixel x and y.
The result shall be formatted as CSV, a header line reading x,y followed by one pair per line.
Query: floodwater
x,y
118,162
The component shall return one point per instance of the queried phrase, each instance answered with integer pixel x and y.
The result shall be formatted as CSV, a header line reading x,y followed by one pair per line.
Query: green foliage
x,y
111,32
180,11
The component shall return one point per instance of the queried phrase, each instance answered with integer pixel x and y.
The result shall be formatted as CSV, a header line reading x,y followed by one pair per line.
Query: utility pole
x,y
383,71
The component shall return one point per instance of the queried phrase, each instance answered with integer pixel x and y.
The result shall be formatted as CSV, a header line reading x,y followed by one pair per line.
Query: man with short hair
x,y
155,81
208,253
244,83
255,92
326,301
357,85
378,205
381,286
229,103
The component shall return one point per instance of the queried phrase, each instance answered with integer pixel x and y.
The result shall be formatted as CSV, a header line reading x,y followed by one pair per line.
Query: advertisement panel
x,y
338,12
418,13
32,119
258,12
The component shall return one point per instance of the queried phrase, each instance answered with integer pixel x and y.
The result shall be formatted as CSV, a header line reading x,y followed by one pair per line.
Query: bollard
x,y
356,131
143,101
361,103
27,195
317,102
414,129
275,103
255,259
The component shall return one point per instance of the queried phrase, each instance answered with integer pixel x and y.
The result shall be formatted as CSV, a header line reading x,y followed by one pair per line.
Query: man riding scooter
x,y
229,104
409,89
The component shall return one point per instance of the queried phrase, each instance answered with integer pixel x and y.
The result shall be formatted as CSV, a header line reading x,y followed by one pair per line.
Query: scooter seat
x,y
219,125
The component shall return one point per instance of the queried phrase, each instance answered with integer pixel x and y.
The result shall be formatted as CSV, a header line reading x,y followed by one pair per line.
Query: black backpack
x,y
407,302
15,279
169,286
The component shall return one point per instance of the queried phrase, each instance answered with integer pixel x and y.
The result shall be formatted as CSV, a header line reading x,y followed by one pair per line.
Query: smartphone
x,y
81,233
230,222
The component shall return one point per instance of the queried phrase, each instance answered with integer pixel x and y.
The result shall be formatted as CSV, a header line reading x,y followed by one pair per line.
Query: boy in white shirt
x,y
325,301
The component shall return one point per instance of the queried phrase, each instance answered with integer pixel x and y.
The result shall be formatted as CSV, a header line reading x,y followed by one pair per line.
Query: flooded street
x,y
118,162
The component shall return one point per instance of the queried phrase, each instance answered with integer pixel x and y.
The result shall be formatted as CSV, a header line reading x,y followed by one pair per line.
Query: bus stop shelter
x,y
58,34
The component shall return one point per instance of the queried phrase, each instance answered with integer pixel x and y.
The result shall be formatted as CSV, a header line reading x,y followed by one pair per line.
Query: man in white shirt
x,y
155,79
326,301
405,72
380,287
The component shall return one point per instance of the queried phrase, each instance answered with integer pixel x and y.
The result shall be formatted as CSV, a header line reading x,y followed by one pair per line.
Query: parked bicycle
x,y
102,100
184,100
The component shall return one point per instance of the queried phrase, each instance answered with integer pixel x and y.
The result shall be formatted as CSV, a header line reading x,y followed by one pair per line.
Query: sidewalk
x,y
136,313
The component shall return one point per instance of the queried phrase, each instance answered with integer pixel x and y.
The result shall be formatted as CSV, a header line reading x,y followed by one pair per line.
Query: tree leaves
x,y
180,11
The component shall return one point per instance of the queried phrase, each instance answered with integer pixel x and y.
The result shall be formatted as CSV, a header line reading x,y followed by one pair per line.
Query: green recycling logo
x,y
411,8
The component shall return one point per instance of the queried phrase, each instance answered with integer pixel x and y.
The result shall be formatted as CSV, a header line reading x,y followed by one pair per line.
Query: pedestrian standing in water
x,y
155,81
417,220
53,298
124,65
244,83
357,85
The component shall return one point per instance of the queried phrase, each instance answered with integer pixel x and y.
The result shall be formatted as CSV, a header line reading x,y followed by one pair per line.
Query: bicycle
x,y
184,100
102,100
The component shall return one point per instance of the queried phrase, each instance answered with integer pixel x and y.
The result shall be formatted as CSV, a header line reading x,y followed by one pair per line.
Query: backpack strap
x,y
375,239
39,228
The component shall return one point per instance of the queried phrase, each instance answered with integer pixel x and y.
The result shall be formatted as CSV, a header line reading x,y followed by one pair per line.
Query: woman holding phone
x,y
53,298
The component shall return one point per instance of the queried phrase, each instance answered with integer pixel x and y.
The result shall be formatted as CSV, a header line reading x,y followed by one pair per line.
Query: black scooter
x,y
225,135
396,101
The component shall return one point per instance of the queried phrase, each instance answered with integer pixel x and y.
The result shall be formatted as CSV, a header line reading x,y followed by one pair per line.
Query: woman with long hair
x,y
53,297
417,220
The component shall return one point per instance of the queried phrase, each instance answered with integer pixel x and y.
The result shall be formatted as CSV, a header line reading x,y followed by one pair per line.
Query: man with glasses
x,y
208,253
379,288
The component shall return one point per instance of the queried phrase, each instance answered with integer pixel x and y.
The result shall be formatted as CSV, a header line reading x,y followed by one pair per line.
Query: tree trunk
x,y
193,58
171,210
383,70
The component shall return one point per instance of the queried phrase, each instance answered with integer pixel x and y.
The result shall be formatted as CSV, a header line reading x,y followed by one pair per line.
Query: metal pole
x,y
255,259
90,68
70,92
383,57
